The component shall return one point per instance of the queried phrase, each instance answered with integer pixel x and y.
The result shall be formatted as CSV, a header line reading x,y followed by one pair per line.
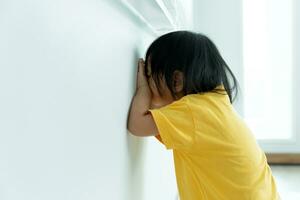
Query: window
x,y
268,67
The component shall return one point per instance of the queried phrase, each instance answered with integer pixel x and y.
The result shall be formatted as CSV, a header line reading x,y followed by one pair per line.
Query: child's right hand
x,y
157,102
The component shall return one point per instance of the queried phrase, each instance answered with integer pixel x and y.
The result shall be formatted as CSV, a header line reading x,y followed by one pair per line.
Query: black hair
x,y
197,57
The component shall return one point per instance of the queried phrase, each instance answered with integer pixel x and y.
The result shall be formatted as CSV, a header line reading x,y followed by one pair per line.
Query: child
x,y
184,97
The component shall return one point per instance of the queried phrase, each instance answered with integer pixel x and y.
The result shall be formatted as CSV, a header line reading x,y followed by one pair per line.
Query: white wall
x,y
67,76
222,22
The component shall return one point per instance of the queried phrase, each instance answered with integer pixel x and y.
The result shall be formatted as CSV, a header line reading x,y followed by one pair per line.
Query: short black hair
x,y
197,57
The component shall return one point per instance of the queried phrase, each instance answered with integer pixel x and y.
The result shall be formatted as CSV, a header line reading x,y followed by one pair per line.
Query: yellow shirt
x,y
216,156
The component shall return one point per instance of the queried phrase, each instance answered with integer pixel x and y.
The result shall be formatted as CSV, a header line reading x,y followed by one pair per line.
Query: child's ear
x,y
178,80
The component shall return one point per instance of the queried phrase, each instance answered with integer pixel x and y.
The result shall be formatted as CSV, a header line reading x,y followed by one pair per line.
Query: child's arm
x,y
140,121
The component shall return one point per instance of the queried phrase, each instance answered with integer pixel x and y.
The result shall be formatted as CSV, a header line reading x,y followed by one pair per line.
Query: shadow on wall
x,y
135,151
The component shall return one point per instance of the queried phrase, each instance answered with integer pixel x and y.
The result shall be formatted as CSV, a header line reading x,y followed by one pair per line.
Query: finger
x,y
141,76
140,73
141,67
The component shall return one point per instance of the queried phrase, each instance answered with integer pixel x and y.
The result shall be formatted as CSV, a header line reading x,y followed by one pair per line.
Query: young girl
x,y
184,97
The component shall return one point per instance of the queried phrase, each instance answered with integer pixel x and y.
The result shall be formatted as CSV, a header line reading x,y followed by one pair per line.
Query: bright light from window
x,y
267,27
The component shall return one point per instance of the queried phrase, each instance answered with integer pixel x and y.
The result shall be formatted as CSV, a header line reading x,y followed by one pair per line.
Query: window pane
x,y
267,27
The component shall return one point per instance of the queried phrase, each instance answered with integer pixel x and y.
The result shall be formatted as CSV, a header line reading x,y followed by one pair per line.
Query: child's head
x,y
185,63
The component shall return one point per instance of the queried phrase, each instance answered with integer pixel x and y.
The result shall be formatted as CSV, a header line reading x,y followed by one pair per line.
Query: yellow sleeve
x,y
175,125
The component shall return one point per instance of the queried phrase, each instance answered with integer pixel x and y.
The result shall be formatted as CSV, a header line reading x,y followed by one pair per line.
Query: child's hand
x,y
158,103
142,85
141,77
